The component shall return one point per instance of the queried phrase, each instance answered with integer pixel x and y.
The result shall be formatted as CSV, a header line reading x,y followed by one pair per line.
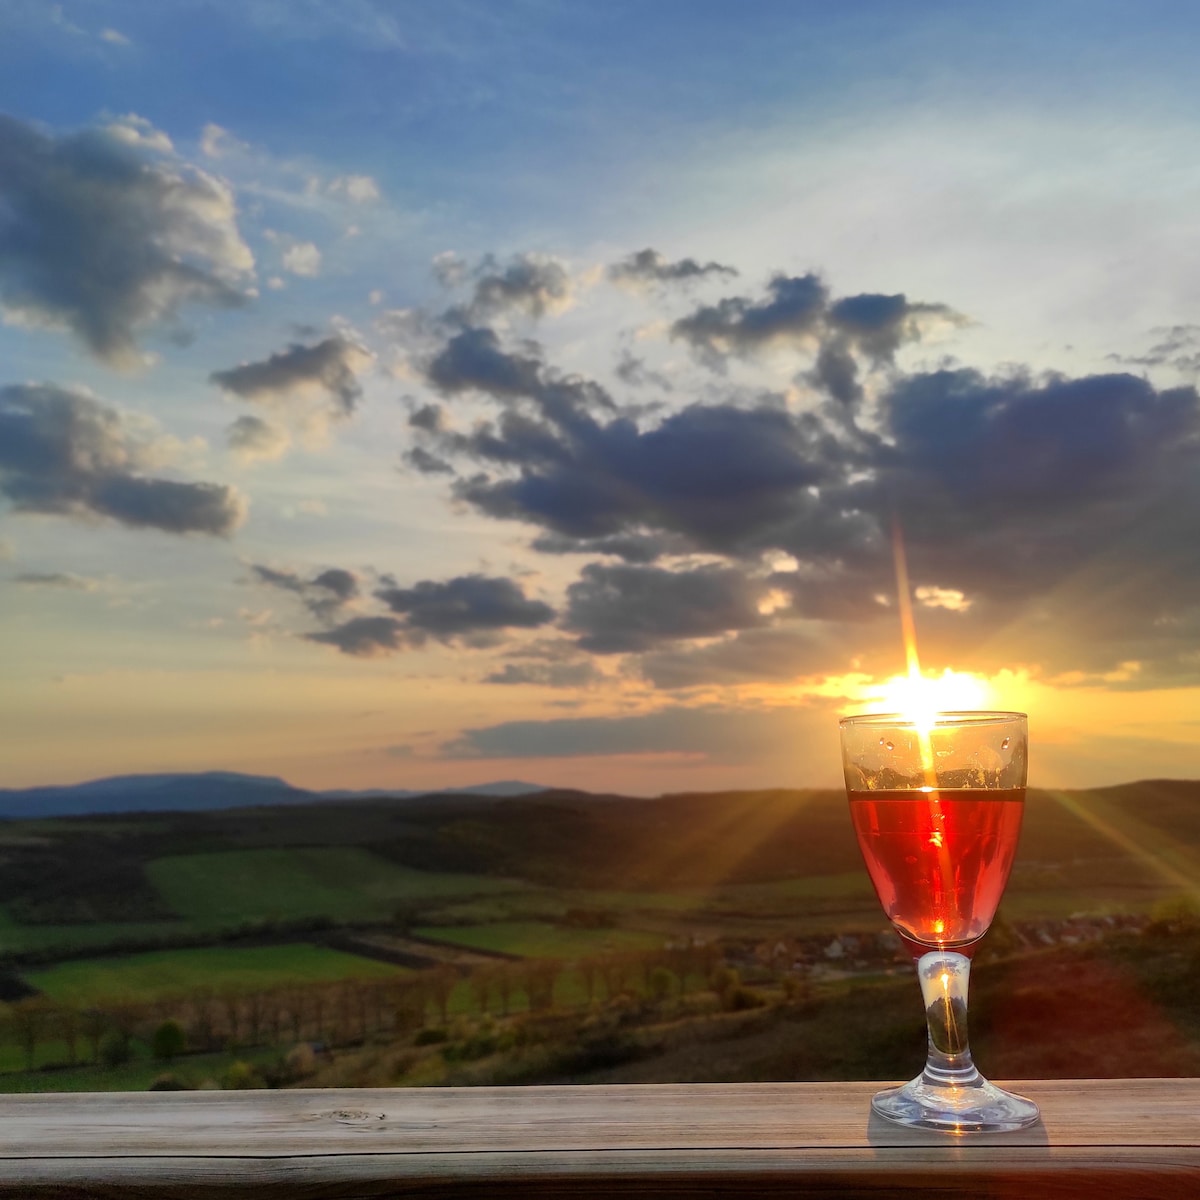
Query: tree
x,y
29,1023
441,981
169,1040
94,1022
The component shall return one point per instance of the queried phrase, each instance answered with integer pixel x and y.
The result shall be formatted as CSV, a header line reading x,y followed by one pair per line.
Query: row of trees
x,y
341,1013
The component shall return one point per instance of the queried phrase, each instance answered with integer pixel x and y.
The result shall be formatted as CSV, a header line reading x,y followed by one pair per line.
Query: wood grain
x,y
1097,1139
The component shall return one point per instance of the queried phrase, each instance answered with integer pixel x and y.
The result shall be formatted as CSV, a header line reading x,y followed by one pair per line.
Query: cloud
x,y
1050,521
217,142
1176,345
633,371
719,734
716,478
470,610
450,269
792,313
357,189
57,580
64,452
426,463
551,675
325,595
649,268
780,654
302,258
364,637
106,233
529,283
251,439
874,326
325,372
466,605
620,608
114,37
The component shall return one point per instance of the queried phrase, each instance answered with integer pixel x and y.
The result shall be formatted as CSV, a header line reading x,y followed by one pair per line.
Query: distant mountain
x,y
500,789
206,791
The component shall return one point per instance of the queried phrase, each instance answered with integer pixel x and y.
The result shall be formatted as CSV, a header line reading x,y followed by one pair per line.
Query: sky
x,y
412,395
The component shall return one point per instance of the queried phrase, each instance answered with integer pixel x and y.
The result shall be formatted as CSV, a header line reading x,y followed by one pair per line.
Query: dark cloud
x,y
325,595
473,360
874,327
251,438
428,417
1053,447
1176,345
426,463
105,233
465,605
1049,521
329,368
528,283
632,547
879,325
772,736
552,675
774,655
56,580
791,313
719,478
364,637
62,451
635,373
620,608
649,267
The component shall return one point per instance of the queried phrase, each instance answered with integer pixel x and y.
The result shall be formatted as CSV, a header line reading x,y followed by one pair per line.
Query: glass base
x,y
955,1107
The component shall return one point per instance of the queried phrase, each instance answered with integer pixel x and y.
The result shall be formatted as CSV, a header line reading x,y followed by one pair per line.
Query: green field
x,y
15,937
164,972
532,939
344,883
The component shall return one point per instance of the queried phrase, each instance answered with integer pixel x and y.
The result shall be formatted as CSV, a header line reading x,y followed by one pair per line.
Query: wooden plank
x,y
1097,1139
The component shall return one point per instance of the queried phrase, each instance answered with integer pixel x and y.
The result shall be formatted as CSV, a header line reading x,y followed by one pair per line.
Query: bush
x,y
116,1049
241,1077
300,1061
169,1041
168,1083
660,984
430,1037
740,999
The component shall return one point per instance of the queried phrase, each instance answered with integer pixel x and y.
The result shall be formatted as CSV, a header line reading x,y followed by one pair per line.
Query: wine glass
x,y
937,805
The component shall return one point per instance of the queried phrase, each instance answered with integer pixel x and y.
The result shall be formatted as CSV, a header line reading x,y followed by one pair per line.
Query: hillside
x,y
1130,844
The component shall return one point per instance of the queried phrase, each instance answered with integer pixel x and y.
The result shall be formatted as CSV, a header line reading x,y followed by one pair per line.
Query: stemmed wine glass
x,y
937,806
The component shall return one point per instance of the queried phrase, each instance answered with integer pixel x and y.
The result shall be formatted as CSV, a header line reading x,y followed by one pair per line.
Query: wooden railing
x,y
1097,1139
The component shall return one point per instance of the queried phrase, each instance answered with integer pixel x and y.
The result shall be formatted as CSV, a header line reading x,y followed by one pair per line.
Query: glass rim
x,y
965,717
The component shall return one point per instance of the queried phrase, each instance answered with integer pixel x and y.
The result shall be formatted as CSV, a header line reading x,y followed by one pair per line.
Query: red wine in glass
x,y
936,805
939,859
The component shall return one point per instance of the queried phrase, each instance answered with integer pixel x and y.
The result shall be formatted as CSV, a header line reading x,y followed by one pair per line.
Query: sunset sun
x,y
919,697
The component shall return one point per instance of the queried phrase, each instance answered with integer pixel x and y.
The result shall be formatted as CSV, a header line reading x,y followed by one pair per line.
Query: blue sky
x,y
414,394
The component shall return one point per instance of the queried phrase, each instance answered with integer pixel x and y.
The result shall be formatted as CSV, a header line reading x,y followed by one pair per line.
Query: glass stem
x,y
945,977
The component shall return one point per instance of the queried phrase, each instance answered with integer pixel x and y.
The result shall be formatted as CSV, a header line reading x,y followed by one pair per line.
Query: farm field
x,y
533,939
147,976
343,883
16,937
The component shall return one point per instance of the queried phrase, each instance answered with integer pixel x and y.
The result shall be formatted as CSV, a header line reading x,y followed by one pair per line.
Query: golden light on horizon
x,y
920,697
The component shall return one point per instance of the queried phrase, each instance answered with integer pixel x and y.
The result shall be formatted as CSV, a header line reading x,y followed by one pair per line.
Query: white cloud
x,y
114,37
303,259
358,189
216,142
137,131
